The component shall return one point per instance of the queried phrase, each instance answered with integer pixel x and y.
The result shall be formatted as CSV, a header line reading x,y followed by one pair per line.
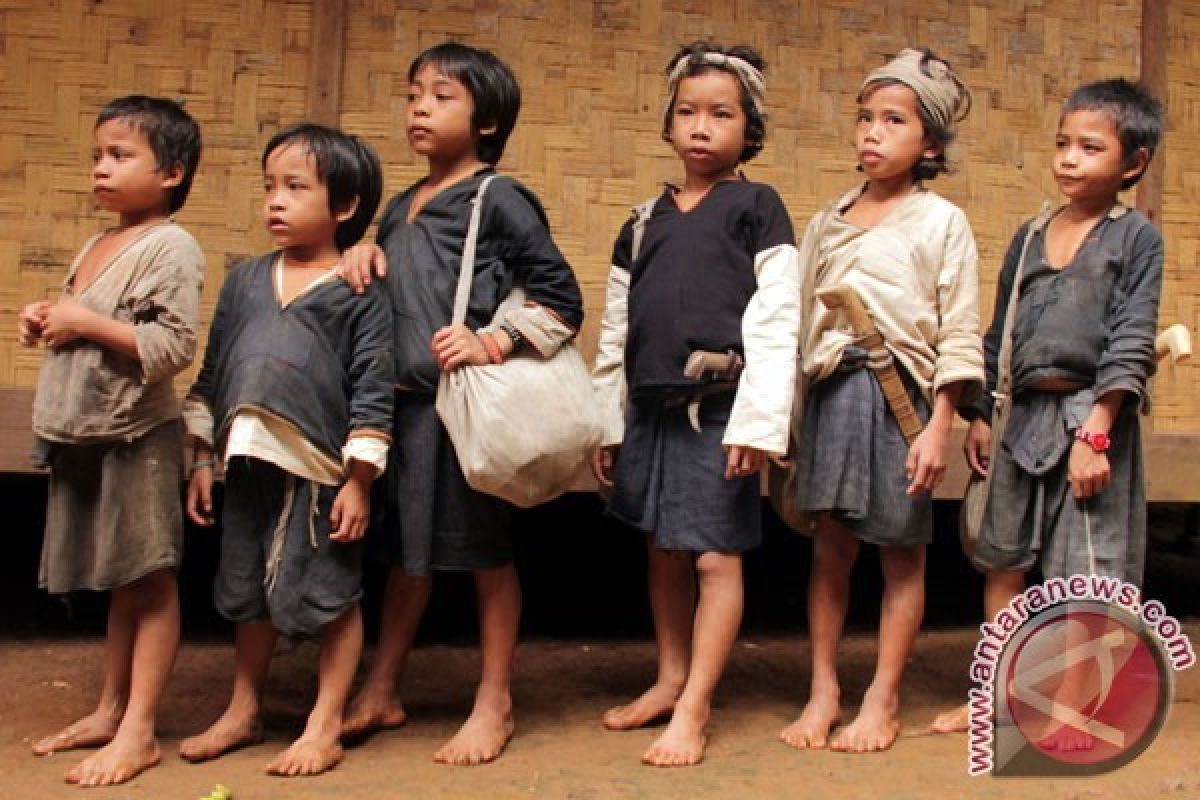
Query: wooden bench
x,y
1172,459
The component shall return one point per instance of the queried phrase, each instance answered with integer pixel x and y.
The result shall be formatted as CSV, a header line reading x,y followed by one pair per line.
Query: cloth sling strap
x,y
879,359
975,499
462,293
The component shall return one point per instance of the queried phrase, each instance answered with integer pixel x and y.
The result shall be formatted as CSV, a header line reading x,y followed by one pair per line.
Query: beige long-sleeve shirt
x,y
916,271
89,393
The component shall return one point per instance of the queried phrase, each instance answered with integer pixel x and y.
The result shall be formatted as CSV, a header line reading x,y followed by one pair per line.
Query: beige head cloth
x,y
747,74
941,93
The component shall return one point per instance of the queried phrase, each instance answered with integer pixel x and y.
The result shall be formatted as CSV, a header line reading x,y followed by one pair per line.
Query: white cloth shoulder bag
x,y
523,428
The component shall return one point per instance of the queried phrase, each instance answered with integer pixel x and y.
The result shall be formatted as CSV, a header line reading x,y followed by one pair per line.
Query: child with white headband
x,y
696,369
872,442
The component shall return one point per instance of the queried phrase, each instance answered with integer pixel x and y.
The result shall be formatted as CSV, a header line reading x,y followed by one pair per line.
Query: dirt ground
x,y
560,750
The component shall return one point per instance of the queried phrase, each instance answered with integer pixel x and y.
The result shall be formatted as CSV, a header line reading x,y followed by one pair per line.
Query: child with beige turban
x,y
871,437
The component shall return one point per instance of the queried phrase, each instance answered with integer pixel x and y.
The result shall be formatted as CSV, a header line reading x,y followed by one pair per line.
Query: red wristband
x,y
493,349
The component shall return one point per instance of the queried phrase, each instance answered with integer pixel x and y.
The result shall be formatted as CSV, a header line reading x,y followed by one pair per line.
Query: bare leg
x,y
672,587
99,727
878,721
319,748
718,616
375,706
999,589
834,552
151,606
485,733
240,724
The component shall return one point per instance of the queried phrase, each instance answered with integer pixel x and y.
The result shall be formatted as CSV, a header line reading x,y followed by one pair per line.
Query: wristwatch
x,y
1099,442
514,336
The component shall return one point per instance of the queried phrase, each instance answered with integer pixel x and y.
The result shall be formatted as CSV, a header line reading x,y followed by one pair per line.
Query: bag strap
x,y
1004,363
466,273
641,215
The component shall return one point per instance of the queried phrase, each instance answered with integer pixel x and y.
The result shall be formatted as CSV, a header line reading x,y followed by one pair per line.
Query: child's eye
x,y
442,97
412,97
863,116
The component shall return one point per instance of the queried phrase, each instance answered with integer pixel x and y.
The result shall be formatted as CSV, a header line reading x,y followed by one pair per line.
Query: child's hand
x,y
742,461
351,511
199,496
1088,471
65,322
360,262
31,323
926,464
978,446
456,345
603,460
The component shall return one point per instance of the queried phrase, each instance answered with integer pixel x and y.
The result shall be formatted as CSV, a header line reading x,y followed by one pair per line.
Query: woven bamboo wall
x,y
587,140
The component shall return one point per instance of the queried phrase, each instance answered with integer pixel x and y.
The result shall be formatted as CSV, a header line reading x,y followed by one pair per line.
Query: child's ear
x,y
346,211
1136,164
174,176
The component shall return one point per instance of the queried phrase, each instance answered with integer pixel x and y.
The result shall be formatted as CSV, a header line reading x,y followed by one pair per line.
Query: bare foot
x,y
682,743
120,760
656,703
874,729
811,730
368,714
1067,739
480,739
307,757
954,721
230,732
94,730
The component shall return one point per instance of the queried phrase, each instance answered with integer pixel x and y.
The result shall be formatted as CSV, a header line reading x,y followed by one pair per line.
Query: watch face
x,y
1099,442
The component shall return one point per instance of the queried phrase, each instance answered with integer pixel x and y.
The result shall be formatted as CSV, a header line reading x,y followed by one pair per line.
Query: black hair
x,y
1135,112
756,121
347,166
493,87
172,133
926,169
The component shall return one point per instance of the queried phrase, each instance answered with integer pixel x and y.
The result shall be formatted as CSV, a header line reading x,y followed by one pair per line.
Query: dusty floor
x,y
560,750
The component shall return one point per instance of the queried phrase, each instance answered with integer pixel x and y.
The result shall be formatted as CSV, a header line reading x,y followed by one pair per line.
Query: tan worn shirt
x,y
89,393
917,273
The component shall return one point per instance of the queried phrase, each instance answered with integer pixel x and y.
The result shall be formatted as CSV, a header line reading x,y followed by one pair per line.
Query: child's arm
x,y
200,482
66,320
371,373
760,419
926,463
1128,360
197,411
1089,472
608,373
163,301
959,353
553,309
352,506
31,323
977,445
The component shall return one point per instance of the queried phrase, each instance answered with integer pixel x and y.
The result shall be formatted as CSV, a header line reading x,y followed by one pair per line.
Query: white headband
x,y
747,74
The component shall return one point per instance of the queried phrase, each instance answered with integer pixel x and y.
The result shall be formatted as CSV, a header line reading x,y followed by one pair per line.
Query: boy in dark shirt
x,y
1067,481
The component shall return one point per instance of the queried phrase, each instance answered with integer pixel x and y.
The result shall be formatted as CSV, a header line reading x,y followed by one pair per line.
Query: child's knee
x,y
719,565
902,563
